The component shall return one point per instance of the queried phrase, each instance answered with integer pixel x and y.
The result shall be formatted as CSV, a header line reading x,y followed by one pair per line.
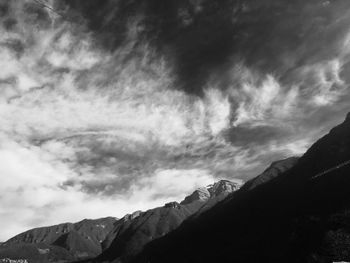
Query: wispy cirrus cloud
x,y
81,128
87,131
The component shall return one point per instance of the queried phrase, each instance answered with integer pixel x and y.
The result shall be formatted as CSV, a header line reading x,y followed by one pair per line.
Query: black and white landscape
x,y
174,131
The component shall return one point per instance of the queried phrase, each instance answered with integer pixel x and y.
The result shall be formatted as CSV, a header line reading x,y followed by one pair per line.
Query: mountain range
x,y
297,210
110,238
60,242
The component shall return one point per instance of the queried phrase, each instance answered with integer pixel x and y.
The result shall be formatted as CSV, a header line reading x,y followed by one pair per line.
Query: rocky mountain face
x,y
132,233
300,216
94,230
70,241
222,188
34,253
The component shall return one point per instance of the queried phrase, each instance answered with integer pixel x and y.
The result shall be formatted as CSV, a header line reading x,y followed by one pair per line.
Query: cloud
x,y
264,104
171,184
89,132
83,131
32,188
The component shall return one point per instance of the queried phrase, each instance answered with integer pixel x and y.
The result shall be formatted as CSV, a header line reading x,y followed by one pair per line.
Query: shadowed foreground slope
x,y
293,218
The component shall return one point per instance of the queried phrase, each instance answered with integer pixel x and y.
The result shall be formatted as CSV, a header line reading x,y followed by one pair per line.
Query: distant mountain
x,y
222,188
131,234
302,215
66,241
275,169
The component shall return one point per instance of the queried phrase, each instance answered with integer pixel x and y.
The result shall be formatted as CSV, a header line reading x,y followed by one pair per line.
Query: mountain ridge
x,y
288,219
126,240
63,237
89,237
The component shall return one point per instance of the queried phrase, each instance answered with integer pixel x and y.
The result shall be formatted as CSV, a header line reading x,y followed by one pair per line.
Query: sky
x,y
108,107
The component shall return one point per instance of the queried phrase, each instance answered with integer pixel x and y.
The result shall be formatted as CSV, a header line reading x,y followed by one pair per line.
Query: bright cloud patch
x,y
89,133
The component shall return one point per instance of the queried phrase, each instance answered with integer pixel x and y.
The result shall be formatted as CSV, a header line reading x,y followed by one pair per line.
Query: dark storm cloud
x,y
270,36
108,19
196,35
